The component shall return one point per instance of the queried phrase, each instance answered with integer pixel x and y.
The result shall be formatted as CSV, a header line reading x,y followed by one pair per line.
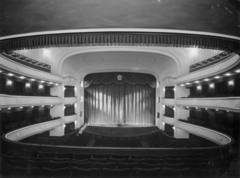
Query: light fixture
x,y
231,82
206,108
206,79
32,79
22,77
9,108
211,85
227,110
0,71
27,84
182,85
32,106
238,70
216,109
42,81
21,107
174,89
187,83
10,74
40,86
42,105
228,74
217,77
196,107
51,105
199,87
197,81
9,82
50,82
56,84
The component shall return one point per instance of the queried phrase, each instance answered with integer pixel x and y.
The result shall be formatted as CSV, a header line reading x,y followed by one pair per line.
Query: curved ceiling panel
x,y
218,16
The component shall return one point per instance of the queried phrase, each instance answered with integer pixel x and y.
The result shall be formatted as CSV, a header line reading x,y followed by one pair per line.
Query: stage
x,y
117,130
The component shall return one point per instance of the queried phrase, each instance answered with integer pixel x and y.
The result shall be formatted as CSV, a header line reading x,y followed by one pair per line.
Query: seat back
x,y
116,172
82,156
104,165
123,165
141,172
56,165
64,155
85,165
81,172
61,172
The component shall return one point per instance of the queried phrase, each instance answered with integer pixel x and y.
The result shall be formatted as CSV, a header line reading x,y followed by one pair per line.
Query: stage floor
x,y
120,131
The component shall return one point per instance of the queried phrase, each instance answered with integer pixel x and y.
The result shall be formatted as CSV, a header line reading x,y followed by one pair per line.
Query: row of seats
x,y
105,172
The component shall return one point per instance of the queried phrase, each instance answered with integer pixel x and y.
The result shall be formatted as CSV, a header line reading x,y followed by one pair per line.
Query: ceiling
x,y
25,16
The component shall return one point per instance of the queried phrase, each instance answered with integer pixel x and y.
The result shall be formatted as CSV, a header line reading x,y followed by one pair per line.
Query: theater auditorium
x,y
128,88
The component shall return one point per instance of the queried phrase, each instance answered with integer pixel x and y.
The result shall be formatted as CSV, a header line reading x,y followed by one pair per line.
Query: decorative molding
x,y
206,133
210,61
28,131
169,81
123,38
18,101
168,101
69,80
20,69
27,61
209,71
69,119
70,100
232,103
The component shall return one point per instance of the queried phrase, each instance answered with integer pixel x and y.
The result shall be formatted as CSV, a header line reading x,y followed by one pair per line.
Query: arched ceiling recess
x,y
79,65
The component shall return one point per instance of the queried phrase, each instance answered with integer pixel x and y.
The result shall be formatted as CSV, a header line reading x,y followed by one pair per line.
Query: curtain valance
x,y
120,78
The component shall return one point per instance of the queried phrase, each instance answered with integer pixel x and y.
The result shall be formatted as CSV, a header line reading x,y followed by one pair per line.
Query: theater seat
x,y
81,156
95,156
173,161
81,172
139,156
34,172
174,166
87,164
116,172
151,166
64,155
104,165
141,172
154,161
169,172
42,154
200,173
115,156
56,165
123,165
61,172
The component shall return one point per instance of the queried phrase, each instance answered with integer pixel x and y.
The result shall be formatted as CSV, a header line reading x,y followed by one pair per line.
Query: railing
x,y
168,120
212,135
70,100
168,101
18,101
69,119
229,103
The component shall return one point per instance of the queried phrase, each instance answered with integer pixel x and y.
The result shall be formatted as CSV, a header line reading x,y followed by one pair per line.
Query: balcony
x,y
24,132
209,134
168,101
69,119
168,120
70,100
17,101
229,103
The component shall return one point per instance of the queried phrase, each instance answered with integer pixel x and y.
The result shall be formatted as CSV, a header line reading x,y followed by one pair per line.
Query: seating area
x,y
53,164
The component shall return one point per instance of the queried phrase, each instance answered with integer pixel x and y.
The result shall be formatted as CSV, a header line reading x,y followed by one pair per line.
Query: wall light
x,y
50,82
40,86
9,82
42,81
32,79
216,109
81,84
0,71
164,89
42,106
174,128
238,71
32,106
174,89
56,84
197,81
10,74
187,83
199,87
211,85
217,77
206,79
182,85
231,82
206,108
20,107
228,74
9,108
22,77
27,84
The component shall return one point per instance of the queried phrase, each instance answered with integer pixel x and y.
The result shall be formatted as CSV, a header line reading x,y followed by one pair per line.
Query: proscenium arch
x,y
171,56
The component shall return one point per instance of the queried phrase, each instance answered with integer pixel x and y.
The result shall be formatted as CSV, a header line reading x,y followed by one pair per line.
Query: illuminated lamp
x,y
27,84
22,77
199,87
227,74
217,77
40,86
42,81
231,82
9,82
206,79
238,71
32,79
197,81
211,85
10,74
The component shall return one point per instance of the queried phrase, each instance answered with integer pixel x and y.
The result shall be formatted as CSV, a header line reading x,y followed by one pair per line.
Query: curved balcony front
x,y
229,103
25,132
18,101
70,100
168,120
212,135
168,101
69,119
28,71
210,71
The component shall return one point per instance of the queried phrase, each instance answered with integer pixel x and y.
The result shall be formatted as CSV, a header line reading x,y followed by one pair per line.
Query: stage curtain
x,y
119,103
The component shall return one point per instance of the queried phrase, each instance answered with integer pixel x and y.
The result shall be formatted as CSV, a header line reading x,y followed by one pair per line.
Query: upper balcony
x,y
19,101
229,103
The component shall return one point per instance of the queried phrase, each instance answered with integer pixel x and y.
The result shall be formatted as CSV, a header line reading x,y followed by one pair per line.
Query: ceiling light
x,y
187,83
206,79
50,82
217,77
238,71
211,85
22,77
196,81
199,87
33,79
227,74
42,81
10,74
